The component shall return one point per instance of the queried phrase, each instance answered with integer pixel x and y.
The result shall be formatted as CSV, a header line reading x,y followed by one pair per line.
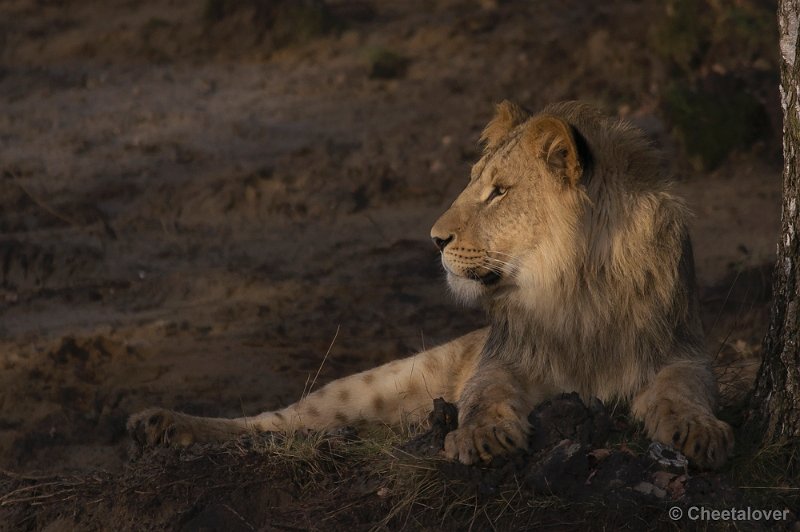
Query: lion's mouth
x,y
487,279
475,274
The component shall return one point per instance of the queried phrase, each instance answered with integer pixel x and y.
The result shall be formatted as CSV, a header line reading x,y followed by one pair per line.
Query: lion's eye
x,y
496,193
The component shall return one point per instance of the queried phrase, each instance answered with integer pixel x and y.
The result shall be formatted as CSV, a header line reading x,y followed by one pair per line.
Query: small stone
x,y
600,454
663,478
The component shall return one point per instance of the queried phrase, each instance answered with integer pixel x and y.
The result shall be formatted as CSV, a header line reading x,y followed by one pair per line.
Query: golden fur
x,y
569,236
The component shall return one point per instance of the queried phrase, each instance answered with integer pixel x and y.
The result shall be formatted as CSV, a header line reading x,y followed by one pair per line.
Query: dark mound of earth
x,y
569,477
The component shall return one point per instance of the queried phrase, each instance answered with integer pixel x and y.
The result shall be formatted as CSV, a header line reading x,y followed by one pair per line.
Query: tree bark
x,y
776,398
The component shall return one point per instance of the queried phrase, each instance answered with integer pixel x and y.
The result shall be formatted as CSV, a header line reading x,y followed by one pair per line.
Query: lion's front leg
x,y
678,410
397,391
159,426
493,415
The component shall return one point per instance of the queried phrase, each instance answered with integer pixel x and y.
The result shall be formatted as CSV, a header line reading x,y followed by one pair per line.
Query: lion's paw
x,y
159,426
483,441
703,438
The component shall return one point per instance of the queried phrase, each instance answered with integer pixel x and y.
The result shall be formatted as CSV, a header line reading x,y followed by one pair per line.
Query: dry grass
x,y
369,476
364,481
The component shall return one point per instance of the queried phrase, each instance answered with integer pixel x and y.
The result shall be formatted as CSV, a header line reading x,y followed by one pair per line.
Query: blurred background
x,y
196,195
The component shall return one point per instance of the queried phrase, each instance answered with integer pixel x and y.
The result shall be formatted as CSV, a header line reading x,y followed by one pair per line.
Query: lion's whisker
x,y
498,261
500,253
493,269
508,266
499,268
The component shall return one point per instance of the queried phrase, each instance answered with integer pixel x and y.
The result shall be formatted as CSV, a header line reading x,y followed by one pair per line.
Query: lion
x,y
570,237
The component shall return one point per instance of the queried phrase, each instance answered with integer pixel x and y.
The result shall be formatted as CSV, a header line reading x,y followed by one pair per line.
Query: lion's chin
x,y
466,291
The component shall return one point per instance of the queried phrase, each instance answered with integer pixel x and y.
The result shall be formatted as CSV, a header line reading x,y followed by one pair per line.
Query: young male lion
x,y
569,236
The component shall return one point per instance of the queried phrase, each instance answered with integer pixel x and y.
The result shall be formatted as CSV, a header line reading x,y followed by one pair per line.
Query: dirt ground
x,y
190,212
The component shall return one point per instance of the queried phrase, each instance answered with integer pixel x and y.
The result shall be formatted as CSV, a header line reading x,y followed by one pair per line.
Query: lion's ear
x,y
507,116
554,141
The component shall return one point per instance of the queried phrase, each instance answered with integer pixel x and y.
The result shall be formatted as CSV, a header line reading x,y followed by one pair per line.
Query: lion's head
x,y
515,222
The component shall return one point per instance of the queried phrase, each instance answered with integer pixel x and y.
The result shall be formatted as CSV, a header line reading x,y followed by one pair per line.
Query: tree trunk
x,y
776,399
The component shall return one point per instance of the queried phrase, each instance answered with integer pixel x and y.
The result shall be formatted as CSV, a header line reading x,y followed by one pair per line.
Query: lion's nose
x,y
441,243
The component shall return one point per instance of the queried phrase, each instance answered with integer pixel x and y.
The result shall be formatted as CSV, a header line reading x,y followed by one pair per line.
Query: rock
x,y
646,488
662,479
